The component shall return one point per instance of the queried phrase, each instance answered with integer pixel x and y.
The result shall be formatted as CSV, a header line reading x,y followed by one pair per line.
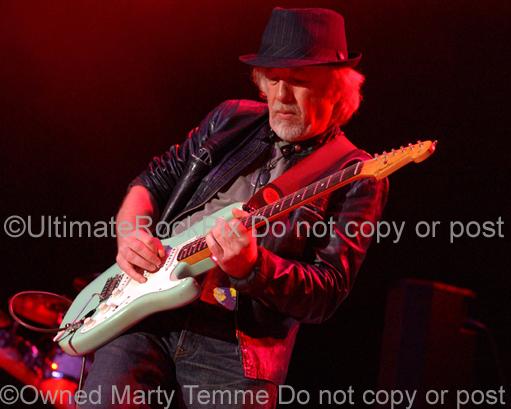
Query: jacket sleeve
x,y
163,172
312,291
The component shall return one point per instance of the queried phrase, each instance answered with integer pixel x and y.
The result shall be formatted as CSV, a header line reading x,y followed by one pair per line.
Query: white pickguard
x,y
129,290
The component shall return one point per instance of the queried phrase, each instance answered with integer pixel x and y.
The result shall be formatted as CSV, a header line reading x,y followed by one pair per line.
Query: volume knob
x,y
103,307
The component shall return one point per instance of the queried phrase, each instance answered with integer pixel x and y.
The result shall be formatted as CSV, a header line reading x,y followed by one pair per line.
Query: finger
x,y
134,258
159,247
216,250
220,233
219,229
146,253
151,242
230,244
239,213
130,270
237,229
229,240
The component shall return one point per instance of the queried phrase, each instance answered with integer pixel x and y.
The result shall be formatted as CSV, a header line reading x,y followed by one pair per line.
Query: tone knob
x,y
103,307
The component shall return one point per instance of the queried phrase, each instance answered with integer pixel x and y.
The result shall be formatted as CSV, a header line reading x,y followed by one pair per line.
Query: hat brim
x,y
257,60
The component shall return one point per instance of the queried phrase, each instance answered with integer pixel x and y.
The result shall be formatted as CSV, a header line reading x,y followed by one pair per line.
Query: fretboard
x,y
282,206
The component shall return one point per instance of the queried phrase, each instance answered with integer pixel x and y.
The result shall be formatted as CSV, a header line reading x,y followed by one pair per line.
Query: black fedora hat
x,y
301,37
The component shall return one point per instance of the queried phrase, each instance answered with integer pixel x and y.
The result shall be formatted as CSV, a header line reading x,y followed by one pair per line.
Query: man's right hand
x,y
138,251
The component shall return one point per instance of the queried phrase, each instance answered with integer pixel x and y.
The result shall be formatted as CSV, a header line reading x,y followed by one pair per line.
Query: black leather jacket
x,y
297,279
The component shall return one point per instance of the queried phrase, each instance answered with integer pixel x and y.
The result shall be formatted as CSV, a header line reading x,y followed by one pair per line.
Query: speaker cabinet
x,y
425,345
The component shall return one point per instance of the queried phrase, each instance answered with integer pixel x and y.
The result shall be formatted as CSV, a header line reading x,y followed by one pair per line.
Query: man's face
x,y
300,101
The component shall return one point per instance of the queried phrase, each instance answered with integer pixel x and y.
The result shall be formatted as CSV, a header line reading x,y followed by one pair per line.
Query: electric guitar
x,y
114,302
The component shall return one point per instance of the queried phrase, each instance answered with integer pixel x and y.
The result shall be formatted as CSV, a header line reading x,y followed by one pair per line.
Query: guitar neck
x,y
198,250
303,196
378,167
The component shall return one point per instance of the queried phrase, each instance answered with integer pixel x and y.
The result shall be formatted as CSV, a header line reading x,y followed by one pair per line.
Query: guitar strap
x,y
329,158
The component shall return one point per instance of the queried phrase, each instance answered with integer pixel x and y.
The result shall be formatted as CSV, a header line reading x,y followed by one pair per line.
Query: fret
x,y
254,220
299,196
356,169
271,210
256,215
260,213
266,212
341,179
322,184
292,199
247,221
283,205
315,188
328,181
304,195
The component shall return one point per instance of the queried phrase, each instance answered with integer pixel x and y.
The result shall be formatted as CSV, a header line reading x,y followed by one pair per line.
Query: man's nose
x,y
284,92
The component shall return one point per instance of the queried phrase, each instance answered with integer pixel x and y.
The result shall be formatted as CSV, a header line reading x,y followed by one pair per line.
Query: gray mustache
x,y
291,108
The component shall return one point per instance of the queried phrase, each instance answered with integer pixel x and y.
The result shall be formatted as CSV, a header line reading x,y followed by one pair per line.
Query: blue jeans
x,y
181,369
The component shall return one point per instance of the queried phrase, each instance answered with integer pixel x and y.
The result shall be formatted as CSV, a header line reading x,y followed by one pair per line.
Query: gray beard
x,y
289,132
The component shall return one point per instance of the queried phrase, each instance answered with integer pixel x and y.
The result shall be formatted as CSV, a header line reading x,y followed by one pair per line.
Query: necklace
x,y
286,152
265,173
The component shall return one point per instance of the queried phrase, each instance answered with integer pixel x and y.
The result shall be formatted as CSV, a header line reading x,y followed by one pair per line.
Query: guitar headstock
x,y
384,164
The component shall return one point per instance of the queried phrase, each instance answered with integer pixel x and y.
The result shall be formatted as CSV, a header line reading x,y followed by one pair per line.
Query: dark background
x,y
91,90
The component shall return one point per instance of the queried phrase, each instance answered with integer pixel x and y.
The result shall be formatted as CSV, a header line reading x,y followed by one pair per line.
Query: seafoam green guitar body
x,y
113,302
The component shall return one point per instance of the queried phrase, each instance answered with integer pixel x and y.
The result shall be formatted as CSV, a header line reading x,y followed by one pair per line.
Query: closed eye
x,y
300,82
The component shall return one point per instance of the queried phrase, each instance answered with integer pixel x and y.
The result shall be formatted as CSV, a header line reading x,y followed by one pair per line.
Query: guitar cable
x,y
29,326
82,373
24,323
